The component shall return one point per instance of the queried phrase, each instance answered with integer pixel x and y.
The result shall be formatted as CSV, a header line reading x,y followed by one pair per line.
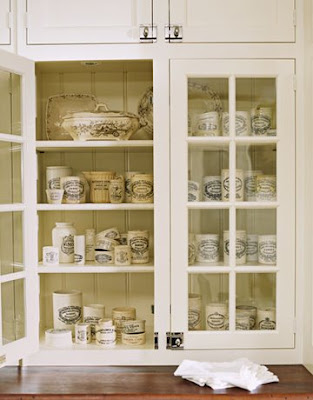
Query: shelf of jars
x,y
95,207
92,267
73,146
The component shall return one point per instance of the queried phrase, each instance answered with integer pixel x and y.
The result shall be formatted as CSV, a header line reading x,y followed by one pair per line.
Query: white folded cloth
x,y
242,373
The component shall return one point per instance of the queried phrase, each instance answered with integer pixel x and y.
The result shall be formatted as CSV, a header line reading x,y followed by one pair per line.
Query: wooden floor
x,y
148,383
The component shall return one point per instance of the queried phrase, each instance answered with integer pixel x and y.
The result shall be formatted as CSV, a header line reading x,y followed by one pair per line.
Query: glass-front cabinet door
x,y
233,203
5,30
18,284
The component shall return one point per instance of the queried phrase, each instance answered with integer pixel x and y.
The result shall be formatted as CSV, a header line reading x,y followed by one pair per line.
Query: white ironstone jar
x,y
63,238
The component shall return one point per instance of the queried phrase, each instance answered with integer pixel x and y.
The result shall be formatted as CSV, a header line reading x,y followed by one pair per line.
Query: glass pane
x,y
208,302
207,167
257,165
207,99
13,311
206,229
256,237
11,242
10,173
256,107
10,103
256,301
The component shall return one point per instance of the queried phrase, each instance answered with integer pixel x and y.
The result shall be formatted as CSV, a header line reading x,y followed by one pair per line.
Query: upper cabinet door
x,y
5,31
18,277
81,21
234,20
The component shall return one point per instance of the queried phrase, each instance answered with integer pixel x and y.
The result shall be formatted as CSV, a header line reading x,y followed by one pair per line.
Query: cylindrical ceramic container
x,y
67,309
79,249
111,233
211,188
105,243
241,247
103,257
92,315
63,238
82,333
208,124
250,184
194,312
58,337
139,244
261,120
53,175
74,190
266,319
208,248
242,121
50,255
128,186
134,339
226,185
122,255
99,185
193,191
216,314
266,188
248,311
54,196
252,248
134,326
242,322
117,191
105,334
120,314
90,235
142,188
267,249
192,252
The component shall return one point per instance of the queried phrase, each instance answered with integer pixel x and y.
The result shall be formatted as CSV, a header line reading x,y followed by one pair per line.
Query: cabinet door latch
x,y
148,33
173,33
175,340
156,340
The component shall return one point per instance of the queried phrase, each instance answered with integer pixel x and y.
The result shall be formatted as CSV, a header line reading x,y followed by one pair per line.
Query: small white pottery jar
x,y
267,249
242,123
266,188
117,191
54,174
261,121
105,334
50,256
194,312
208,248
208,124
54,196
226,185
216,315
241,247
67,309
82,333
103,257
250,184
74,190
139,244
211,188
193,191
266,319
63,238
142,188
252,248
248,311
92,315
242,322
122,255
128,186
120,314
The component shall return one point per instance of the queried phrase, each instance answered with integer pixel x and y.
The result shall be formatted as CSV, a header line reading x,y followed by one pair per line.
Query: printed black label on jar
x,y
240,248
267,251
139,245
142,190
54,183
104,258
69,315
73,190
213,190
241,125
260,124
209,249
193,319
191,197
267,324
250,186
252,247
216,321
67,246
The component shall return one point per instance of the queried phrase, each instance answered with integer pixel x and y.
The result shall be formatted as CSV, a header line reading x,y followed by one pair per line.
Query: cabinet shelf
x,y
64,145
95,207
227,204
220,268
93,268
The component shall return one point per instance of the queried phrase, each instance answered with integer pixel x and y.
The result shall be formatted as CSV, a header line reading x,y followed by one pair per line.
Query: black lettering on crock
x,y
69,315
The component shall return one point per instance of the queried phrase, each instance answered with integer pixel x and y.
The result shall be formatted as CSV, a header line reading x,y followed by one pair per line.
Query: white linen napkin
x,y
242,373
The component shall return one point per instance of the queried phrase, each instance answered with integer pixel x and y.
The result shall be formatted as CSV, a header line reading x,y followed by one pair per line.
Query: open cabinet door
x,y
18,276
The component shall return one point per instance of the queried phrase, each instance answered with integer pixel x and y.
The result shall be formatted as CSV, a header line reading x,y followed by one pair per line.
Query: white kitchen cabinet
x,y
233,20
229,274
95,21
5,22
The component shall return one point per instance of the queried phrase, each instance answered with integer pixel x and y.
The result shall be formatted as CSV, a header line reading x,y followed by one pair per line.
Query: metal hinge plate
x,y
156,340
173,33
175,340
148,33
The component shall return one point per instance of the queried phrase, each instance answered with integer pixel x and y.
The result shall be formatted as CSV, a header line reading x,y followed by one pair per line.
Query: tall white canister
x,y
67,309
63,238
139,245
54,175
